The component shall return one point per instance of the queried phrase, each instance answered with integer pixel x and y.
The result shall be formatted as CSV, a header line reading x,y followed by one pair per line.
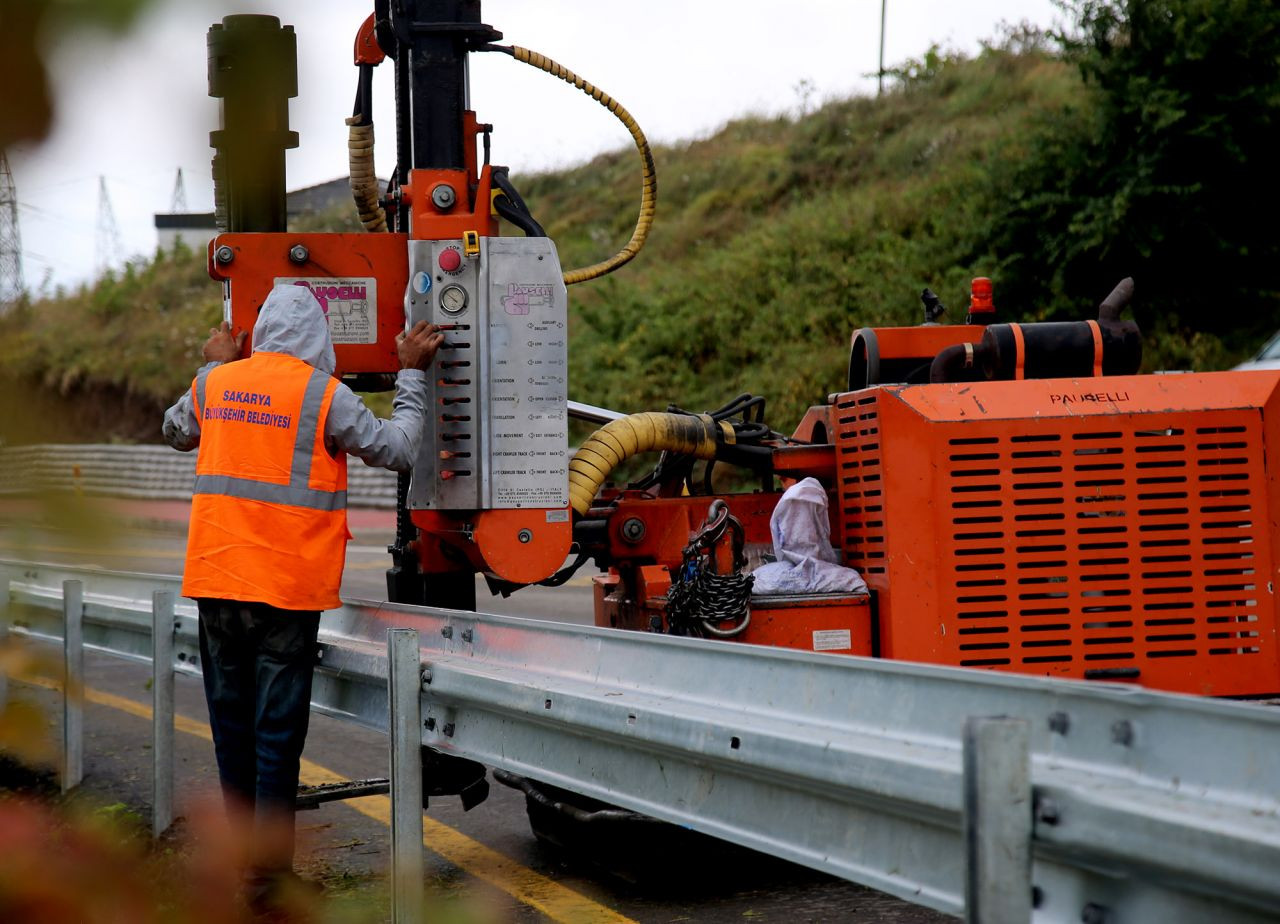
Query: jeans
x,y
257,664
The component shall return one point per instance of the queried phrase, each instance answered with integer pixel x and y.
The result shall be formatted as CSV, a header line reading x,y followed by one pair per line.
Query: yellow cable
x,y
649,187
620,439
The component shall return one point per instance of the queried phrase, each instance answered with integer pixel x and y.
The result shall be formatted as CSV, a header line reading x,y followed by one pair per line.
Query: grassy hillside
x,y
775,239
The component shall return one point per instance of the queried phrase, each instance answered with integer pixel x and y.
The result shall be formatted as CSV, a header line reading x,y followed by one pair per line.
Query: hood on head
x,y
293,323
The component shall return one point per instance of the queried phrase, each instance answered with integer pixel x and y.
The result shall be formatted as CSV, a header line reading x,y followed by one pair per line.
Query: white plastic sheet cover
x,y
807,564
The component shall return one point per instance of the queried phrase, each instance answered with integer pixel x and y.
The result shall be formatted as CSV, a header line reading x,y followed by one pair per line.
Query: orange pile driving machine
x,y
1016,496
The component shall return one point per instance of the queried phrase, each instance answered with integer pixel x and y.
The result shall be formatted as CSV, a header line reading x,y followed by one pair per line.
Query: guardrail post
x,y
4,640
162,711
997,821
72,684
404,727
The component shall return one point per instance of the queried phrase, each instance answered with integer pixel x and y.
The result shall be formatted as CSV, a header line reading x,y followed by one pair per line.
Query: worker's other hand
x,y
223,346
417,348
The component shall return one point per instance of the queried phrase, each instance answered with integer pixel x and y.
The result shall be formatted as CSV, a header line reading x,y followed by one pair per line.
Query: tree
x,y
1166,174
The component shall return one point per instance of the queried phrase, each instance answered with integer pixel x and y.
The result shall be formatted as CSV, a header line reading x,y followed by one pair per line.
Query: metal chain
x,y
700,600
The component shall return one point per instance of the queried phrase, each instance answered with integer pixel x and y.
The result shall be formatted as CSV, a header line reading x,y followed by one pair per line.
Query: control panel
x,y
496,433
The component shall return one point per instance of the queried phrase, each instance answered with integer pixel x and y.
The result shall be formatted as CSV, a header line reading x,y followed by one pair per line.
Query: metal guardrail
x,y
1087,801
154,472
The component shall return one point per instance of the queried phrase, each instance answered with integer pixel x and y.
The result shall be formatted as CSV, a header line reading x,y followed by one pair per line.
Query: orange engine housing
x,y
1120,528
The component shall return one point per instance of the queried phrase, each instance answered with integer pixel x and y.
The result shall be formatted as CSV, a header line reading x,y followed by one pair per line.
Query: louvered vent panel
x,y
1101,550
861,487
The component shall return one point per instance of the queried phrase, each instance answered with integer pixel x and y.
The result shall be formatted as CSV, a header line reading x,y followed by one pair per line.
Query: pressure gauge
x,y
453,299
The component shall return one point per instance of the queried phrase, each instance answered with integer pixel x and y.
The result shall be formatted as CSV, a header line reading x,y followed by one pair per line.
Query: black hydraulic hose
x,y
949,362
522,220
511,205
404,135
362,111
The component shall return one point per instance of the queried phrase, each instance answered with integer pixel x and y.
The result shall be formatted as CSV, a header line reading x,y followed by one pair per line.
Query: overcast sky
x,y
136,110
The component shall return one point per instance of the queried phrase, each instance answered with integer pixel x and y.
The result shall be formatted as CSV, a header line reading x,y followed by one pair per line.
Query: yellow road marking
x,y
551,898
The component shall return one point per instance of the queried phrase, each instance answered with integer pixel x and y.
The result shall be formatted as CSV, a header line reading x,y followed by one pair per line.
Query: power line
x,y
12,286
108,247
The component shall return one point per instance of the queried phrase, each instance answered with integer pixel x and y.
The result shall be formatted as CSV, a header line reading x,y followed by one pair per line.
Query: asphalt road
x,y
489,853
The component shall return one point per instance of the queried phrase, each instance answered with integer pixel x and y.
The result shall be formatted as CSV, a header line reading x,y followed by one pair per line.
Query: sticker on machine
x,y
832,640
350,304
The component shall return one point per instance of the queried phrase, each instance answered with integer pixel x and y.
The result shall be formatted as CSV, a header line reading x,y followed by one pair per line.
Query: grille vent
x,y
1102,551
861,488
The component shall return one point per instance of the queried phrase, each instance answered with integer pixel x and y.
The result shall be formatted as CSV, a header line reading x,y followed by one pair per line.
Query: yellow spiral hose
x,y
364,182
620,439
649,187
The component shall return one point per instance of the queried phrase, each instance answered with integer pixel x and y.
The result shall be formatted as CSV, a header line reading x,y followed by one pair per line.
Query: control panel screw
x,y
299,254
525,535
224,254
633,529
443,196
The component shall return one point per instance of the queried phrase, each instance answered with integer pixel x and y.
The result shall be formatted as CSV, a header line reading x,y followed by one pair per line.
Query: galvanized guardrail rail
x,y
153,472
1002,797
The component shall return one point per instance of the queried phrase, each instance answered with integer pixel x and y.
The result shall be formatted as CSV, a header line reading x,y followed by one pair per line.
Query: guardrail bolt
x,y
430,723
1047,812
426,677
467,635
448,730
447,631
633,529
1094,914
1059,723
1037,896
1122,732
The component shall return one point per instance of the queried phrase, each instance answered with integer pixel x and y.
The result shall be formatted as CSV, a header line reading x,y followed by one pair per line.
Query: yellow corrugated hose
x,y
625,437
649,187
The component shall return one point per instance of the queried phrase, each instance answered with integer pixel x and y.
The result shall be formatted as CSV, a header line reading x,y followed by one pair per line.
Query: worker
x,y
267,541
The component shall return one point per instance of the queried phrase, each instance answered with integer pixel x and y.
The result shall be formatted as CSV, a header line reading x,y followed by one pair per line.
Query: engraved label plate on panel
x,y
350,304
448,474
528,375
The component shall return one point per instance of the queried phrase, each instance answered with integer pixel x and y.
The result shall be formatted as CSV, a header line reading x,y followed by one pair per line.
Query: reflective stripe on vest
x,y
198,389
297,493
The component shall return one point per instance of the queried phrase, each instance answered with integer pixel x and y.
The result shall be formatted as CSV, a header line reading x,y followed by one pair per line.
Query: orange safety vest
x,y
269,511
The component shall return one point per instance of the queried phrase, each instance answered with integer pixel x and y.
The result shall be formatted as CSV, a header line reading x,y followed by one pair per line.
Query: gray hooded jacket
x,y
291,322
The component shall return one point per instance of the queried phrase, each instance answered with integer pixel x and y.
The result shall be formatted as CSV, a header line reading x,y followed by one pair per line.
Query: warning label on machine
x,y
350,304
832,640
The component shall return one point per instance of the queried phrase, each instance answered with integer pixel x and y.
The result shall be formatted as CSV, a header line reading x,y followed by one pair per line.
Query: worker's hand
x,y
222,346
417,348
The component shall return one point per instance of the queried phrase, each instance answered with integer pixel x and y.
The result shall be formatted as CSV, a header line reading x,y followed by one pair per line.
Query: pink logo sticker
x,y
520,298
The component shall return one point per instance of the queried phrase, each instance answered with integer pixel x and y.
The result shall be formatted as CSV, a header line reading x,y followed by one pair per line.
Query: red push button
x,y
450,260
